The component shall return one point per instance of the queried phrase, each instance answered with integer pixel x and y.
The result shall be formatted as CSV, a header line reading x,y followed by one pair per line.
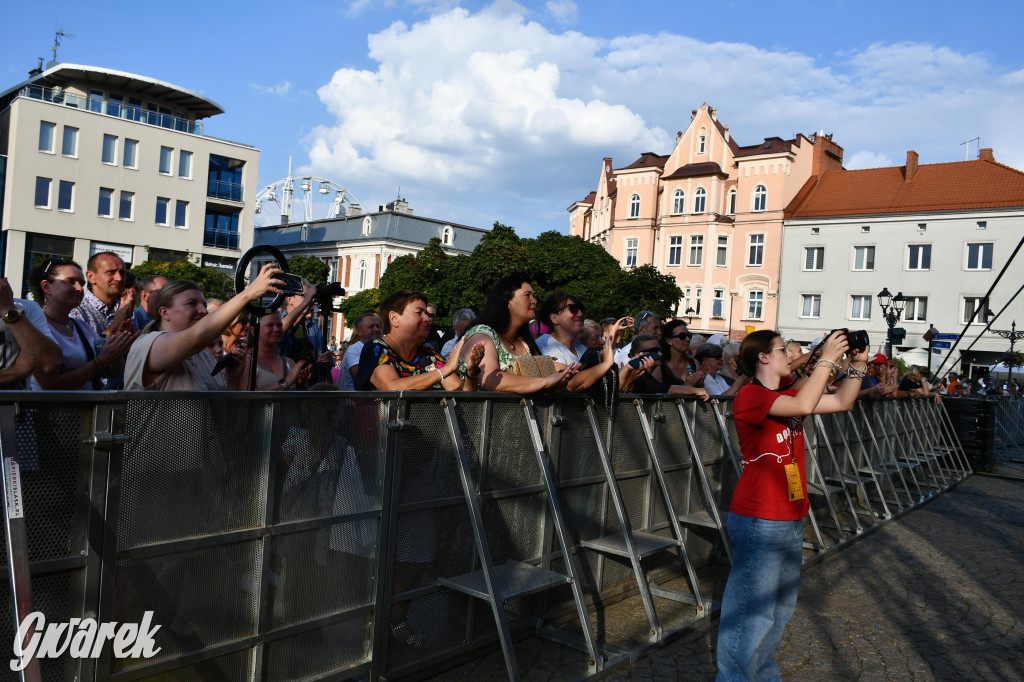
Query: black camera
x,y
638,360
325,295
857,339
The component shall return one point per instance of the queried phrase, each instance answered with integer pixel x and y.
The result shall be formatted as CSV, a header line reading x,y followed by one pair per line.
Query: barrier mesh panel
x,y
317,652
429,462
233,666
512,460
199,598
629,451
511,524
192,468
51,595
577,452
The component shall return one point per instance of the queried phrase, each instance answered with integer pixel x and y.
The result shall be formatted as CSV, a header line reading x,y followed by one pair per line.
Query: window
x,y
919,257
115,103
165,160
43,192
722,257
972,303
979,256
755,257
184,164
865,228
699,198
65,196
760,197
110,149
815,230
696,300
916,309
678,202
922,227
96,101
755,304
634,206
224,180
69,145
811,305
447,235
46,135
161,210
732,202
982,224
220,228
362,274
631,245
124,208
686,300
675,250
814,257
702,144
718,303
863,258
130,149
696,250
105,209
180,213
860,307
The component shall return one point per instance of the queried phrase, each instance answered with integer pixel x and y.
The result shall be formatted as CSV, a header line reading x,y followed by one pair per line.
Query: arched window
x,y
362,274
702,144
447,235
678,202
732,202
699,200
634,206
367,224
760,197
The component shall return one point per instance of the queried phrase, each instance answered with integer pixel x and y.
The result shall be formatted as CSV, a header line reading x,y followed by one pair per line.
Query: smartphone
x,y
292,284
653,355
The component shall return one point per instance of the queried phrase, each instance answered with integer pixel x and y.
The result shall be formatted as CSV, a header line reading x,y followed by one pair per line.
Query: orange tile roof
x,y
955,186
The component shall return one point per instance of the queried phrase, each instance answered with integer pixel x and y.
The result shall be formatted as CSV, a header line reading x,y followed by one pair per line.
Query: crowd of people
x,y
101,329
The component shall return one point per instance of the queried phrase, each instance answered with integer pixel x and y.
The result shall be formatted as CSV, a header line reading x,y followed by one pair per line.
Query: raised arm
x,y
492,378
811,393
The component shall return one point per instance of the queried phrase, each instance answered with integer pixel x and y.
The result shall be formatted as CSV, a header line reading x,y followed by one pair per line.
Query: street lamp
x,y
892,309
1014,336
689,316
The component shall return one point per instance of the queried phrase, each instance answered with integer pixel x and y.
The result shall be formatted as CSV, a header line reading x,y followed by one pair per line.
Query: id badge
x,y
796,492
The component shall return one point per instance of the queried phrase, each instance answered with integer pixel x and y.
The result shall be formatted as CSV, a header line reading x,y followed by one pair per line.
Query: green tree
x,y
312,268
644,288
367,300
213,282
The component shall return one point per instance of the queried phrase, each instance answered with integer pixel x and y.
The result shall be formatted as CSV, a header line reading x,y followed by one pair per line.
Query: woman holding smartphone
x,y
770,500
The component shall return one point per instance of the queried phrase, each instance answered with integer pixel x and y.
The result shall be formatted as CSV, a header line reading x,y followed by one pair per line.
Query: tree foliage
x,y
355,305
213,282
312,268
552,261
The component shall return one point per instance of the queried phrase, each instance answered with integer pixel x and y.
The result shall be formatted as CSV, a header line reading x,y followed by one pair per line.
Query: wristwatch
x,y
282,383
12,316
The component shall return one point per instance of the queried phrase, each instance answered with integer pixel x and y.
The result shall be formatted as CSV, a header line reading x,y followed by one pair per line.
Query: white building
x,y
359,248
939,233
98,160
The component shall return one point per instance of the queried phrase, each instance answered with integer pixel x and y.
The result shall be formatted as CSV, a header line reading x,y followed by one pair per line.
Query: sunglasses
x,y
431,315
574,308
55,261
682,336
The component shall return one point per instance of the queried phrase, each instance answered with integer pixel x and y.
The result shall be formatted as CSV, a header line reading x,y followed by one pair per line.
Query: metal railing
x,y
222,239
278,536
222,189
128,112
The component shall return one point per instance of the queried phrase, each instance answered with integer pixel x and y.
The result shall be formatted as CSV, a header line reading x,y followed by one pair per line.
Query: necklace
x,y
511,344
68,329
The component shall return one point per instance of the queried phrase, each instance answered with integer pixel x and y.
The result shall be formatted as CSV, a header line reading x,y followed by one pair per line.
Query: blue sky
x,y
484,111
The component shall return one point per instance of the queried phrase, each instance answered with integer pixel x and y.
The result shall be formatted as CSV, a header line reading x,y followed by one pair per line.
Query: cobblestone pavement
x,y
935,595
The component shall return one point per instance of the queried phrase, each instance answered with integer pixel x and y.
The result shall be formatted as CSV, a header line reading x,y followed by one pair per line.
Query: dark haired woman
x,y
61,286
503,330
678,367
169,356
770,500
647,376
565,315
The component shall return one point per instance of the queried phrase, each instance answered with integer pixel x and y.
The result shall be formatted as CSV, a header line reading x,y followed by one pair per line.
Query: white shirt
x,y
622,355
553,348
350,360
715,385
73,352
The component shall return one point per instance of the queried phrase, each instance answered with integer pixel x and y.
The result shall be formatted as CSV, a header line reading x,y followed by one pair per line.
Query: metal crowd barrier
x,y
331,536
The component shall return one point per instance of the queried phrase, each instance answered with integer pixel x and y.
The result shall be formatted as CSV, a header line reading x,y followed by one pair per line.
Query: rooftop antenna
x,y
967,149
60,34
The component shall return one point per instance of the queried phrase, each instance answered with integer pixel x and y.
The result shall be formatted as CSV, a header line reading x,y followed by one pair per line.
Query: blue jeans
x,y
760,596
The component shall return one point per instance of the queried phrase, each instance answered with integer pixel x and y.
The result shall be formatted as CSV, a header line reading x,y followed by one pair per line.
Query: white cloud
x,y
491,114
281,89
564,11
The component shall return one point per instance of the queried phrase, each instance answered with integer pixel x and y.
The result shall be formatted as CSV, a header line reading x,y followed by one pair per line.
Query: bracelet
x,y
855,373
441,374
832,367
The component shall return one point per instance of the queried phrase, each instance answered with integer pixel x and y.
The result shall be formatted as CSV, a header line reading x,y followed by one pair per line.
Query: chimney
x,y
986,155
38,70
908,175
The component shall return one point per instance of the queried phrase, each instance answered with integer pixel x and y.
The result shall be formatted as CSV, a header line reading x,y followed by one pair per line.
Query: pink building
x,y
710,214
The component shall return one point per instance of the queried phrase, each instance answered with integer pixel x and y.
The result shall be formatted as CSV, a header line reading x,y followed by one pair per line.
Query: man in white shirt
x,y
366,327
644,323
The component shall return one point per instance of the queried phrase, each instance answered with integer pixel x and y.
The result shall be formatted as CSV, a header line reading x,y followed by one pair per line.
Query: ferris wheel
x,y
291,200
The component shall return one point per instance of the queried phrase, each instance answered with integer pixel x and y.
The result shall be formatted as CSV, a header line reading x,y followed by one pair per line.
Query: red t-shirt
x,y
763,489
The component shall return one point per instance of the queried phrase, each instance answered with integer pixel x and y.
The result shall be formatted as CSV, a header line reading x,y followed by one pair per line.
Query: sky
x,y
478,112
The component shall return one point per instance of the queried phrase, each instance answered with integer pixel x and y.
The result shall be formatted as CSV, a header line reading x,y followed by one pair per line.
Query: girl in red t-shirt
x,y
770,501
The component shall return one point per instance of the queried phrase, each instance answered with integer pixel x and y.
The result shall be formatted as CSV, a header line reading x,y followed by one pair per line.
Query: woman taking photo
x,y
643,373
170,357
770,500
504,334
60,285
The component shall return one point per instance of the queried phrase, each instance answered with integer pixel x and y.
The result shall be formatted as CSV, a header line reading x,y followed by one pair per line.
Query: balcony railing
x,y
127,112
221,239
221,189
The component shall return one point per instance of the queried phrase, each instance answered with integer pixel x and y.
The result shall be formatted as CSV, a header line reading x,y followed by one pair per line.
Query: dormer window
x,y
767,144
447,235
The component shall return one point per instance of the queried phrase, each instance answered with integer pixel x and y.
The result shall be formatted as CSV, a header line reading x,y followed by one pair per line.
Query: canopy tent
x,y
1001,371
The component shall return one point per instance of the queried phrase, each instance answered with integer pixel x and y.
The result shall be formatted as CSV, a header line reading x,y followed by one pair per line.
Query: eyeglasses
x,y
643,316
431,315
775,349
574,308
682,336
67,280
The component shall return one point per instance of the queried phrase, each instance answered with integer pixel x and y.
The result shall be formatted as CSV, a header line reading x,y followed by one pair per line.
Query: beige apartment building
x,y
710,214
104,160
